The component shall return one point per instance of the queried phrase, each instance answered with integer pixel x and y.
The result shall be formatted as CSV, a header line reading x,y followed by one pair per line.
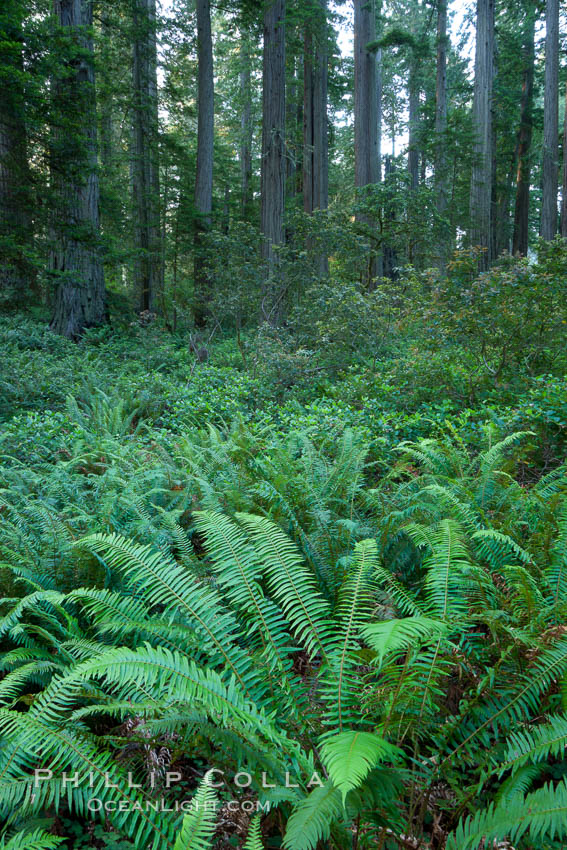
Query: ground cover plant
x,y
350,598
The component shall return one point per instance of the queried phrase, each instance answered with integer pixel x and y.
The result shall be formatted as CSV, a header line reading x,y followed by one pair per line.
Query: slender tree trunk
x,y
522,204
75,261
308,141
390,259
105,104
365,114
440,166
292,126
550,122
320,129
502,215
245,125
315,135
379,113
413,125
15,203
379,123
204,172
564,189
145,165
273,173
481,178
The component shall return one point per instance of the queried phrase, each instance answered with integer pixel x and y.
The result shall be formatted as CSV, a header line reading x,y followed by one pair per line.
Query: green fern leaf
x,y
313,817
198,827
350,756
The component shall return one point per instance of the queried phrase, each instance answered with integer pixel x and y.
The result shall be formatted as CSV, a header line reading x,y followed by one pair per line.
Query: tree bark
x,y
550,166
273,174
75,261
440,165
365,99
308,141
145,164
245,125
413,124
379,113
320,130
564,189
293,122
204,172
15,202
315,136
522,204
481,178
365,115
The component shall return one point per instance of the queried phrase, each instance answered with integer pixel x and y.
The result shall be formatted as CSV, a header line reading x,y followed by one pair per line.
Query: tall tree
x,y
524,142
205,145
413,120
441,172
481,177
320,129
75,261
145,156
315,141
15,273
379,111
245,124
365,110
550,165
564,188
273,173
315,137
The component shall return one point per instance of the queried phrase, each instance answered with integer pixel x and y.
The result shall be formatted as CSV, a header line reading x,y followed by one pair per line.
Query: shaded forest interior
x,y
283,419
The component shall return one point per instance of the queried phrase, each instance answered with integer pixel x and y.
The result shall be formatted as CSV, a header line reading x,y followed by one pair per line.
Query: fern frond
x,y
393,637
198,827
541,814
38,839
350,756
313,817
291,584
537,744
254,837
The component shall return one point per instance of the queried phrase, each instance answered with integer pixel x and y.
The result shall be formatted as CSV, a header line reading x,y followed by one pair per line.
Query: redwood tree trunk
x,y
245,125
75,261
273,175
564,190
145,165
481,178
365,114
413,124
522,205
550,167
308,142
440,167
15,231
315,141
204,172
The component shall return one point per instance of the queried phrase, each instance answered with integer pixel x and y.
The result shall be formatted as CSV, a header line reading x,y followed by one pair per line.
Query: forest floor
x,y
125,433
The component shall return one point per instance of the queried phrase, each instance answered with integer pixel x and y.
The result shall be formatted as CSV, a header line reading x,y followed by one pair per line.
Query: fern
x,y
350,756
254,837
37,839
541,814
312,818
198,825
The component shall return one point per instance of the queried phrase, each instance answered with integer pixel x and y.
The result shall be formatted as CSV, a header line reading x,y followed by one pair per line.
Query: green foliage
x,y
199,824
296,563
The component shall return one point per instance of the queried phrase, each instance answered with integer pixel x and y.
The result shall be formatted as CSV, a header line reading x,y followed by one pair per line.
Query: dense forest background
x,y
283,418
210,165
